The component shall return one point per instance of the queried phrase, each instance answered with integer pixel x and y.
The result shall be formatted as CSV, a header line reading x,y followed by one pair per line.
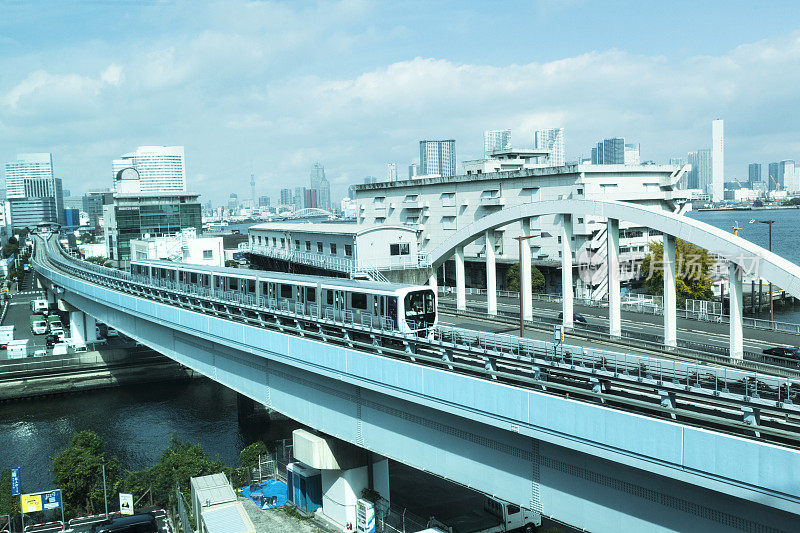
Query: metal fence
x,y
184,525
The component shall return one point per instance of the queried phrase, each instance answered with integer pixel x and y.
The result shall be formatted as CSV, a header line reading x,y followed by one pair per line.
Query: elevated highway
x,y
601,440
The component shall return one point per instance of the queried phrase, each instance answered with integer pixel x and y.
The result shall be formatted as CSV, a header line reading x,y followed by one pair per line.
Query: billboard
x,y
40,501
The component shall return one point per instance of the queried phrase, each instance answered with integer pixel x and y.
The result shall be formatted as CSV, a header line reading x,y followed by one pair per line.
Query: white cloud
x,y
112,75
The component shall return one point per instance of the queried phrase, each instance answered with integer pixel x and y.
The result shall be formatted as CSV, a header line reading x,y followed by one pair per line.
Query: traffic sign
x,y
125,503
15,483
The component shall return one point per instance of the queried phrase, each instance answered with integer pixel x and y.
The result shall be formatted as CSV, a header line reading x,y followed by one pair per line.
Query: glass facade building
x,y
133,216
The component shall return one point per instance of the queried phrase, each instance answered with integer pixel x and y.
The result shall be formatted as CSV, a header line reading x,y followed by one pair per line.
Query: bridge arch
x,y
738,251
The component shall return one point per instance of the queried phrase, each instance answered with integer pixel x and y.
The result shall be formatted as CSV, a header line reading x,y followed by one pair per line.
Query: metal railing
x,y
340,264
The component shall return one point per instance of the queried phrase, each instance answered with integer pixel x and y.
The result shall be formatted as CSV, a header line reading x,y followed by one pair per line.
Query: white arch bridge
x,y
742,255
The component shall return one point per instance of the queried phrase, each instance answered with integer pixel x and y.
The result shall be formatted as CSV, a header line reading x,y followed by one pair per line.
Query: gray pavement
x,y
277,520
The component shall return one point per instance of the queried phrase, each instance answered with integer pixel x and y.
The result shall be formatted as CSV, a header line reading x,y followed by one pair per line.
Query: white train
x,y
406,307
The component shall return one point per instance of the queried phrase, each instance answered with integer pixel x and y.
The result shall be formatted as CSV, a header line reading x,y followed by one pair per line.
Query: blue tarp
x,y
262,494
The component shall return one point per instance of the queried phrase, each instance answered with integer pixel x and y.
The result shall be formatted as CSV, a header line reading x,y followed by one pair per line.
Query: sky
x,y
273,87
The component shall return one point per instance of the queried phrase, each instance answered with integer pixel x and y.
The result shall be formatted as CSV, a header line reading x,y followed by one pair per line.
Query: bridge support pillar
x,y
461,291
526,290
614,299
670,298
51,296
491,275
566,271
90,324
77,325
735,294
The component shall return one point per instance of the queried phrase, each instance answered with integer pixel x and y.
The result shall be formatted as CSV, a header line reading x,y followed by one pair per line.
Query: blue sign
x,y
52,499
15,484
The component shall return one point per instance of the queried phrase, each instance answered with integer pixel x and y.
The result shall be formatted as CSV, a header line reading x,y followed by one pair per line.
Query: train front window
x,y
419,306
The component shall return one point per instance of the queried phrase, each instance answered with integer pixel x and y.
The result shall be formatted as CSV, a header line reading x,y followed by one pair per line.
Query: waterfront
x,y
784,239
136,421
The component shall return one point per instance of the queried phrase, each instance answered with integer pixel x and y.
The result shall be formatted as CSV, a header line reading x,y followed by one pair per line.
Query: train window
x,y
311,294
232,284
330,297
251,285
358,300
286,291
193,277
375,305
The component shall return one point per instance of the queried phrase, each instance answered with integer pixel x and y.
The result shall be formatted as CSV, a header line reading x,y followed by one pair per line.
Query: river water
x,y
785,241
136,421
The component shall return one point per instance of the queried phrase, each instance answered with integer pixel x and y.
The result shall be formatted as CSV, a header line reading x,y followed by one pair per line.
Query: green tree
x,y
693,271
87,238
231,263
791,201
181,461
512,279
77,471
99,260
8,504
758,203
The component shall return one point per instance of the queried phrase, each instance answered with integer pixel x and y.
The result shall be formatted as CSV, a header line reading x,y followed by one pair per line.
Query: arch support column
x,y
461,291
670,297
491,275
735,294
614,299
566,271
526,289
77,324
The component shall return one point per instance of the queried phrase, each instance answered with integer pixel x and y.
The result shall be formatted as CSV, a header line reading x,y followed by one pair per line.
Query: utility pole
x,y
771,305
105,494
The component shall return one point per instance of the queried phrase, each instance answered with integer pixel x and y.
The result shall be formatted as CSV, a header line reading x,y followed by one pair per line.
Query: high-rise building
x,y
788,174
700,175
753,174
631,156
233,201
413,171
438,157
717,161
286,196
609,152
774,176
263,201
299,198
33,193
370,179
310,198
160,168
551,139
253,189
496,140
391,172
320,183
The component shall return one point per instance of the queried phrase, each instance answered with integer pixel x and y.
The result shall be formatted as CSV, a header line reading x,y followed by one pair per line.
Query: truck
x,y
54,324
6,335
38,325
497,517
39,305
18,349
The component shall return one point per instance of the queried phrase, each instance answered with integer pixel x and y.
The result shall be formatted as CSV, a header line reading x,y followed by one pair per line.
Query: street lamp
x,y
771,310
519,240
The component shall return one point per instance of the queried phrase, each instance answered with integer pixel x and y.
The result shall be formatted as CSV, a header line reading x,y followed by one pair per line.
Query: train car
x,y
405,307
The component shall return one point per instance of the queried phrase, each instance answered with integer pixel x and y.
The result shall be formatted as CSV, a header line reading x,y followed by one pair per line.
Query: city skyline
x,y
112,88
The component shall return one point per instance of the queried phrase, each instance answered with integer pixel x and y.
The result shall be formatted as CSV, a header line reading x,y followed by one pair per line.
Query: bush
x,y
77,470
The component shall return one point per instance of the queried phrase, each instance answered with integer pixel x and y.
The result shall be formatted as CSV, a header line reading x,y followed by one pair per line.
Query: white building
x,y
159,168
789,176
717,161
507,161
27,166
436,207
391,171
437,157
494,140
340,247
184,247
552,140
632,156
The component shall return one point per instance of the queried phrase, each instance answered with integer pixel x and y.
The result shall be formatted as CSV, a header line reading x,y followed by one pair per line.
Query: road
x,y
756,340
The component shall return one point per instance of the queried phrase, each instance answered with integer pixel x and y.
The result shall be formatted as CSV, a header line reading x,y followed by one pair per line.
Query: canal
x,y
136,422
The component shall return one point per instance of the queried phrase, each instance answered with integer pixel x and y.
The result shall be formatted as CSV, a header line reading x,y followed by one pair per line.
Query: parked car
x,y
138,523
111,332
790,352
576,317
51,339
38,324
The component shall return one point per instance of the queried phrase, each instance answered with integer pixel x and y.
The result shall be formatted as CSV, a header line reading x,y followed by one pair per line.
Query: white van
x,y
61,348
39,305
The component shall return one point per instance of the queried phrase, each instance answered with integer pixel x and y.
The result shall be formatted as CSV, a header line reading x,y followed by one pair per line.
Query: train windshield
x,y
420,308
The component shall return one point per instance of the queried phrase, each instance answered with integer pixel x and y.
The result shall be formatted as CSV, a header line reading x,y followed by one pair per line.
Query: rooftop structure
x,y
507,160
158,169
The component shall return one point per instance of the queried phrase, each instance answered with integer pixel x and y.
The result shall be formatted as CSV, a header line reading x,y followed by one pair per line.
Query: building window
x,y
580,191
333,249
448,199
308,246
296,244
580,220
380,220
379,200
348,250
208,254
283,243
448,222
274,242
402,248
319,247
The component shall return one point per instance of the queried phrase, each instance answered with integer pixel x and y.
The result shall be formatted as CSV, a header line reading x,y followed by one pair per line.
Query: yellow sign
x,y
126,503
31,502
